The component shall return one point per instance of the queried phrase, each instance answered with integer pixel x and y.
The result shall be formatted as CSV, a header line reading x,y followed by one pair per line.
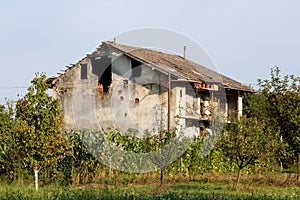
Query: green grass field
x,y
183,189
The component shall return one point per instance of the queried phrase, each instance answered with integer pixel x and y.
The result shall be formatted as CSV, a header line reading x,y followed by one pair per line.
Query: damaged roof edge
x,y
167,63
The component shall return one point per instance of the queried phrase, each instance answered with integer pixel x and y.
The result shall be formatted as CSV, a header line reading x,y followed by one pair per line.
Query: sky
x,y
243,39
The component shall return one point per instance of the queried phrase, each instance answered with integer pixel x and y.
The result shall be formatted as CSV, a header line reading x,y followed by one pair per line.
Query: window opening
x,y
136,68
83,73
101,66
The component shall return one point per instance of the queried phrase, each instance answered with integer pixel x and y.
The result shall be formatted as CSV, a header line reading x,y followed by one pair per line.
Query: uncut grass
x,y
147,187
178,191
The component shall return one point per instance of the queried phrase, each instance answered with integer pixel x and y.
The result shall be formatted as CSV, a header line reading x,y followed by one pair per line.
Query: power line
x,y
13,87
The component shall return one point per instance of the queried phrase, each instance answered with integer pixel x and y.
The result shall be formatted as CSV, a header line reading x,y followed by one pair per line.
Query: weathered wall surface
x,y
137,103
136,97
77,97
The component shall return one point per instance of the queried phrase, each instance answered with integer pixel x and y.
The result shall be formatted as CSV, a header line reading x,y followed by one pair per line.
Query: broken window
x,y
191,122
105,79
136,68
83,74
101,66
205,108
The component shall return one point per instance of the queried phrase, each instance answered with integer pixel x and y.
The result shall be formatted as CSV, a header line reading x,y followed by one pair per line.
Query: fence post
x,y
36,179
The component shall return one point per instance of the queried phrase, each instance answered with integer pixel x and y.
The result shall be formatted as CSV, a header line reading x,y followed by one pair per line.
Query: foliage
x,y
11,134
243,142
80,166
283,97
277,104
256,106
160,148
31,136
43,143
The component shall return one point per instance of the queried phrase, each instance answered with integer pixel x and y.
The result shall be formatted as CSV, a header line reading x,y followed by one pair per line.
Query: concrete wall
x,y
74,94
137,103
133,101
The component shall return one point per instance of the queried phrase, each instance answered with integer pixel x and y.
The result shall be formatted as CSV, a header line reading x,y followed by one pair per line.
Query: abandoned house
x,y
132,88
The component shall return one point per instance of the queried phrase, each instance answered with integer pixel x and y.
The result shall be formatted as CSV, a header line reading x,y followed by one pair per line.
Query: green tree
x,y
43,142
243,142
5,127
282,111
11,131
256,106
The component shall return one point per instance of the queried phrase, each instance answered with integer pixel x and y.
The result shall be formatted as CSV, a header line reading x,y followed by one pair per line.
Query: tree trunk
x,y
298,167
110,170
238,178
162,176
181,166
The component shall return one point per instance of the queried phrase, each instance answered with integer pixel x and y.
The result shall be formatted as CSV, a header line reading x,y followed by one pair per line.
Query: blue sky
x,y
243,38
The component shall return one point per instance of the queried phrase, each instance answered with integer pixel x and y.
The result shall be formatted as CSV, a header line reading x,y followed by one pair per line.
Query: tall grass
x,y
182,190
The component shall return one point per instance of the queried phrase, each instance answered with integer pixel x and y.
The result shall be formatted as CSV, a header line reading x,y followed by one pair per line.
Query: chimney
x,y
184,52
115,40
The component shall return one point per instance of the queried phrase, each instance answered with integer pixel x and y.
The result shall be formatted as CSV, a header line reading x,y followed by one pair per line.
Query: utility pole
x,y
169,101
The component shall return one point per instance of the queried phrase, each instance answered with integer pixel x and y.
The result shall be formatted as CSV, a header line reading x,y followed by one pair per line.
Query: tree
x,y
243,142
11,131
43,142
282,95
256,106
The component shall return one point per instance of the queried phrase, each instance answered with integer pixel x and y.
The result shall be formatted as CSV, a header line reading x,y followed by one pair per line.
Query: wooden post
x,y
36,179
240,105
169,102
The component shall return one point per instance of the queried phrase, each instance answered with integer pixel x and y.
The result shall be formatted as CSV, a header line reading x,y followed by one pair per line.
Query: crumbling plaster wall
x,y
137,102
77,97
85,106
131,102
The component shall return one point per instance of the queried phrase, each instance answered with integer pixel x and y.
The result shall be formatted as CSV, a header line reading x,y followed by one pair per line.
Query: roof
x,y
175,65
179,66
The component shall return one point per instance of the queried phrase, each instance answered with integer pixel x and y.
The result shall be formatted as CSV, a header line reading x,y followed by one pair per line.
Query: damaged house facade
x,y
133,88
